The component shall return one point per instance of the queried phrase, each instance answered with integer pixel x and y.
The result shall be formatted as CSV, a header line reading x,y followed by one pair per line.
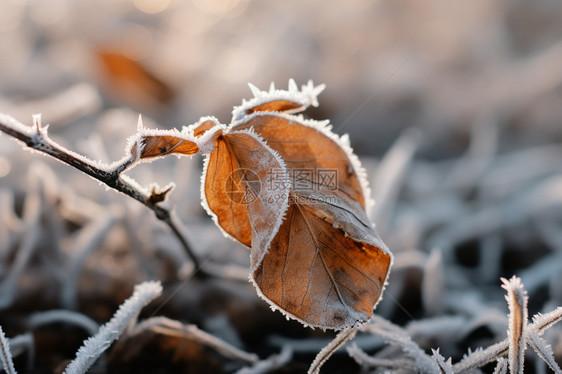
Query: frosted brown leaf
x,y
326,266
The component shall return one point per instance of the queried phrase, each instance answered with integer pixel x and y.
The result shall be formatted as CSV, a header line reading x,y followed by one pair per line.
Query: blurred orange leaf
x,y
131,81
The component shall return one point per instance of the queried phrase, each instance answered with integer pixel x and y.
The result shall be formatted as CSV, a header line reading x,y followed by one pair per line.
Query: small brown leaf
x,y
275,106
161,145
203,127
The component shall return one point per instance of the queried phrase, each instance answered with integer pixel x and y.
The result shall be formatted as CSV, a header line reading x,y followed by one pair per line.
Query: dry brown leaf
x,y
326,266
234,192
161,145
275,106
294,193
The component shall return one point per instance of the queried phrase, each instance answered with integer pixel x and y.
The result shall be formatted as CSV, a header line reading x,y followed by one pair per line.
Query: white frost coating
x,y
343,337
271,363
544,350
127,179
43,143
94,346
501,366
16,125
307,96
424,363
445,366
190,129
206,142
546,320
5,354
517,301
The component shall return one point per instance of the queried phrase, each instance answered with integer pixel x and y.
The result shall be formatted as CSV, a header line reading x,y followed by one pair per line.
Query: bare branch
x,y
36,138
481,357
170,327
269,364
364,359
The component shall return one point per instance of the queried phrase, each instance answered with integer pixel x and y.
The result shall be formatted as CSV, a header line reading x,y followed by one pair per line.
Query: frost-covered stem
x,y
63,316
481,357
170,327
517,301
365,360
271,363
36,138
501,366
6,354
445,366
94,346
327,352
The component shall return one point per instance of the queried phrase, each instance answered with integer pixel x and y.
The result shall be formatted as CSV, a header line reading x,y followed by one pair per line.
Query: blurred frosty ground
x,y
454,109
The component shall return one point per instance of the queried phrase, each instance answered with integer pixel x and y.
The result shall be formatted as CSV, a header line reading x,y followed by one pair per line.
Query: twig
x,y
21,343
63,316
327,352
88,240
94,346
32,215
501,366
5,354
445,366
269,364
390,173
166,326
36,138
364,359
396,336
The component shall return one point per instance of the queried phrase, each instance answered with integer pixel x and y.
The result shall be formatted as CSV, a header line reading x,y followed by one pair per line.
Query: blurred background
x,y
453,108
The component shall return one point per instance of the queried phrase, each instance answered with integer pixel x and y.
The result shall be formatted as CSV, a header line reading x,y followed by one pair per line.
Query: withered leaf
x,y
275,106
235,189
326,266
294,193
203,127
161,145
